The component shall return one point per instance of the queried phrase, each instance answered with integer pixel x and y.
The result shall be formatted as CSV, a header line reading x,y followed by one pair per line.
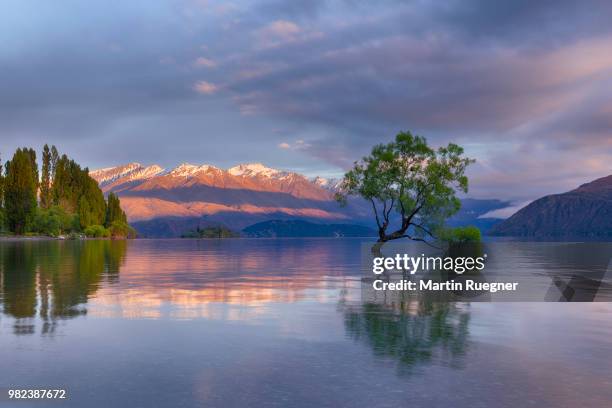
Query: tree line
x,y
60,199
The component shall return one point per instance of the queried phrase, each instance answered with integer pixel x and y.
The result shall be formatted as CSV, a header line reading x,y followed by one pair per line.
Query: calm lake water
x,y
235,323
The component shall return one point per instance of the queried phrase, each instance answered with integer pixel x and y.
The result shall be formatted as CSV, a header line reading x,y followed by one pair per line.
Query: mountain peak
x,y
188,169
124,168
255,169
130,172
599,185
135,171
331,184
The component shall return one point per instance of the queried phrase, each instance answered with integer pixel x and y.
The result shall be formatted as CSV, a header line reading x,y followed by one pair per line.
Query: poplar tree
x,y
20,188
54,159
76,192
1,197
45,184
114,213
1,186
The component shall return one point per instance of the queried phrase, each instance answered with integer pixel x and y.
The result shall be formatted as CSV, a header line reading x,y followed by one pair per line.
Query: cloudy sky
x,y
310,86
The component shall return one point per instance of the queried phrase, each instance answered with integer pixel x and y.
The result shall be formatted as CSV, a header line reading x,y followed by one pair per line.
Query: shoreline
x,y
8,238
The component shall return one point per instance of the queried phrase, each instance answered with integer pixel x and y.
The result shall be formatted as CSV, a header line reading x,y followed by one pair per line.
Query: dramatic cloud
x,y
526,87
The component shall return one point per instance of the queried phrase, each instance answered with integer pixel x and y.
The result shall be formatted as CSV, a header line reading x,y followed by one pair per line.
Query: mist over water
x,y
285,323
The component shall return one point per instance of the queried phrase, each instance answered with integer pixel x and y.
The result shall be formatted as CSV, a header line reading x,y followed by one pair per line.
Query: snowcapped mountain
x,y
257,169
331,184
237,197
125,173
190,170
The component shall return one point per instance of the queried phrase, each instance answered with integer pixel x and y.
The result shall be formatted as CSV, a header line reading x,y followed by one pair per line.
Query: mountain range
x,y
160,202
583,212
168,202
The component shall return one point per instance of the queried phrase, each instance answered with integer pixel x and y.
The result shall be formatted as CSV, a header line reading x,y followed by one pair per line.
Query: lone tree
x,y
409,184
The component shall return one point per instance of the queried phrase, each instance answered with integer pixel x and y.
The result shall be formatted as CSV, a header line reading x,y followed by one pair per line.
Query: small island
x,y
60,201
211,232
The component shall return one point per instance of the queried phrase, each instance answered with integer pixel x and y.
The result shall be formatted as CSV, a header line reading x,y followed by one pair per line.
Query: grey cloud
x,y
476,72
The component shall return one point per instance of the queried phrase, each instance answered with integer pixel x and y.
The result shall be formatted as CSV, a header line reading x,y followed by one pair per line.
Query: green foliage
x,y
97,231
1,194
211,232
3,226
76,192
53,222
120,229
114,213
70,200
46,224
45,183
460,235
412,180
20,188
54,160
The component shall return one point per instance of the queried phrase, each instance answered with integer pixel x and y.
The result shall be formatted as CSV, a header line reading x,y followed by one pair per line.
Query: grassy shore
x,y
26,238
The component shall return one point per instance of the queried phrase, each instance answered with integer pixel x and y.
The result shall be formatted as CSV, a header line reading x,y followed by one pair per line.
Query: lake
x,y
284,323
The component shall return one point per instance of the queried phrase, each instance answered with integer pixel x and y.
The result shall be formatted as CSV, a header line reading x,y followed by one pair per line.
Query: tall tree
x,y
45,184
54,159
20,190
1,186
76,192
91,201
114,213
409,183
2,224
33,165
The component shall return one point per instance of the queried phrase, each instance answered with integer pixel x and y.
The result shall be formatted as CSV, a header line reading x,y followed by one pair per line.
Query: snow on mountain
x,y
332,184
256,169
127,172
239,196
136,171
144,173
189,170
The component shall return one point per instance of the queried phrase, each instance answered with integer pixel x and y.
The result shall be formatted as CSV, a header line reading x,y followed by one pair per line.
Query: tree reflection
x,y
53,279
414,332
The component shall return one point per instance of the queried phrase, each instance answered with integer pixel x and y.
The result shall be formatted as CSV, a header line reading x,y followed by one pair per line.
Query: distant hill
x,y
472,212
299,228
583,212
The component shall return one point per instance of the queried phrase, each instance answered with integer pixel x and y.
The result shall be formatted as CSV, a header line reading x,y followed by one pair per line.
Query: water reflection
x,y
237,280
182,322
44,281
53,281
412,331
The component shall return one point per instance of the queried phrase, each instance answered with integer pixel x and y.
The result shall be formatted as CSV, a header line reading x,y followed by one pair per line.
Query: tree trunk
x,y
376,248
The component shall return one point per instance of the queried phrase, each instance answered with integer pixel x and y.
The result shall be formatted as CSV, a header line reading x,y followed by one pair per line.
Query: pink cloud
x,y
204,62
205,88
